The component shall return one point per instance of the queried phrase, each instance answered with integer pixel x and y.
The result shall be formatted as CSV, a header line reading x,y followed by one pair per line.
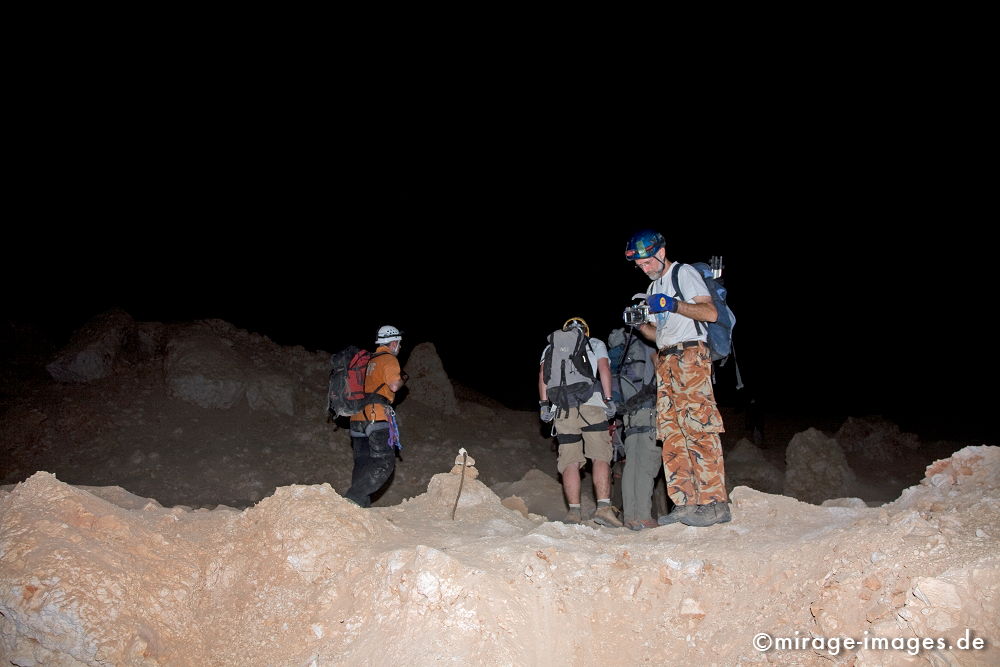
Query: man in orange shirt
x,y
374,459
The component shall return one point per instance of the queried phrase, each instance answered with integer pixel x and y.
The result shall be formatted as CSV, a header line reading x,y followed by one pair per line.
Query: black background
x,y
479,213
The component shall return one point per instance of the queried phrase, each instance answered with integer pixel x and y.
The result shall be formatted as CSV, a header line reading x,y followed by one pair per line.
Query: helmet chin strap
x,y
663,267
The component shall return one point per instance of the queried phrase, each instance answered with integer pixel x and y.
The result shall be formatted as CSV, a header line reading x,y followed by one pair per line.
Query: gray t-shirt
x,y
600,351
672,328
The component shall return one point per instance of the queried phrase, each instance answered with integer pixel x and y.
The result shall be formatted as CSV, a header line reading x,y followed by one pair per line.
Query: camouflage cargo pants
x,y
688,422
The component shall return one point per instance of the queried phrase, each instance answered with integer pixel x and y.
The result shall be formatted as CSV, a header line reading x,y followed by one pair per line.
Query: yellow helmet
x,y
577,321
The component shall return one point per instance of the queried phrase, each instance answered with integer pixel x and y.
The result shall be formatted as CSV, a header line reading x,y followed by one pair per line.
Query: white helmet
x,y
387,334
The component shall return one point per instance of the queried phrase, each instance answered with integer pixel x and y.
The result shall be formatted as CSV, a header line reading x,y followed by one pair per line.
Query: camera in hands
x,y
637,314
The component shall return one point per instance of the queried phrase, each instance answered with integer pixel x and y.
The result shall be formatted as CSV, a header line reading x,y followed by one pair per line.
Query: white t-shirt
x,y
597,351
673,328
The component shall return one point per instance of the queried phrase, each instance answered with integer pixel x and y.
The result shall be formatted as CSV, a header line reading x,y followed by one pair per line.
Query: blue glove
x,y
610,408
546,412
661,303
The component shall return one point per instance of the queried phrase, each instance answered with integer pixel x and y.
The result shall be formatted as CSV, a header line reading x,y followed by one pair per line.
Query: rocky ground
x,y
200,415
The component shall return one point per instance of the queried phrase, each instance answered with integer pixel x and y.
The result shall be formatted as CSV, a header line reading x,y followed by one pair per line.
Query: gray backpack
x,y
628,356
566,371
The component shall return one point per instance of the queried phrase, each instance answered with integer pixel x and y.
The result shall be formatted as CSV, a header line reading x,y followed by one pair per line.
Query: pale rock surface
x,y
816,469
465,465
304,577
542,494
844,502
94,348
100,575
516,503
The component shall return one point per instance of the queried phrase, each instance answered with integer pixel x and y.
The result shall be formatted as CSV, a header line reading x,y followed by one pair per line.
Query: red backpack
x,y
348,370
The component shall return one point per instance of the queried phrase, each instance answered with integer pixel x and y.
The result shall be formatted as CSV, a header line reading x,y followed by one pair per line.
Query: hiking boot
x,y
675,515
707,515
573,516
606,516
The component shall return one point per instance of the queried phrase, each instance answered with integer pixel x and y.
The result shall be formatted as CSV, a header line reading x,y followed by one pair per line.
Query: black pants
x,y
374,460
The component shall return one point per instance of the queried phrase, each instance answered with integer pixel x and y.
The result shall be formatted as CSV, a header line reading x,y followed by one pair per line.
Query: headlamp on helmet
x,y
644,245
577,322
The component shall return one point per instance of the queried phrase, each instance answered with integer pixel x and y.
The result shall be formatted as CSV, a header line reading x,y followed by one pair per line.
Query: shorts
x,y
583,434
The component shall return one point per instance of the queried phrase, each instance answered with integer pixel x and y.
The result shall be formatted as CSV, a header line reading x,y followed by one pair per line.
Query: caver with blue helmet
x,y
645,245
687,417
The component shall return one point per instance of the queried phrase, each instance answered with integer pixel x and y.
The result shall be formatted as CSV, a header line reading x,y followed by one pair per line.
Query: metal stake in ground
x,y
465,457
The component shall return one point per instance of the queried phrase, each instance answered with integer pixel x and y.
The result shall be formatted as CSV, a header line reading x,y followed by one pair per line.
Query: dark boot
x,y
676,514
708,515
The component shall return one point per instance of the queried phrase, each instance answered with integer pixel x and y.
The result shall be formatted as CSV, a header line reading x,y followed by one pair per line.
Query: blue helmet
x,y
643,245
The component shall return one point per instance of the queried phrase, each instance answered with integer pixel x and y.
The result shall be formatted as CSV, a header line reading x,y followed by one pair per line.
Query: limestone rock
x,y
428,383
875,439
204,369
953,482
463,457
541,493
470,472
959,605
305,577
816,468
91,353
747,466
271,392
852,503
150,338
517,504
443,489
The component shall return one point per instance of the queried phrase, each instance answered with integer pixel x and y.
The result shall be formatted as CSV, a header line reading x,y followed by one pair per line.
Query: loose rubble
x,y
203,525
305,577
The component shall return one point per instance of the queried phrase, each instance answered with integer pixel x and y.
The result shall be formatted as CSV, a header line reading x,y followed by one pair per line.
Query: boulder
x,y
747,466
93,349
150,337
816,469
875,439
428,383
540,494
272,392
204,369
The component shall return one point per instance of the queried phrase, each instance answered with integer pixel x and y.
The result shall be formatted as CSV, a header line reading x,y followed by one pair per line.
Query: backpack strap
x,y
562,380
677,290
732,353
547,360
628,343
374,397
590,367
578,353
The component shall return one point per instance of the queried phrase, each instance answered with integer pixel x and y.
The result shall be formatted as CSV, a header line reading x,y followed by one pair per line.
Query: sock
x,y
603,502
574,507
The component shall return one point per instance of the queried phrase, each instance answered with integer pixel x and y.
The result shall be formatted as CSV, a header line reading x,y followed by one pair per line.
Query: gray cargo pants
x,y
642,464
